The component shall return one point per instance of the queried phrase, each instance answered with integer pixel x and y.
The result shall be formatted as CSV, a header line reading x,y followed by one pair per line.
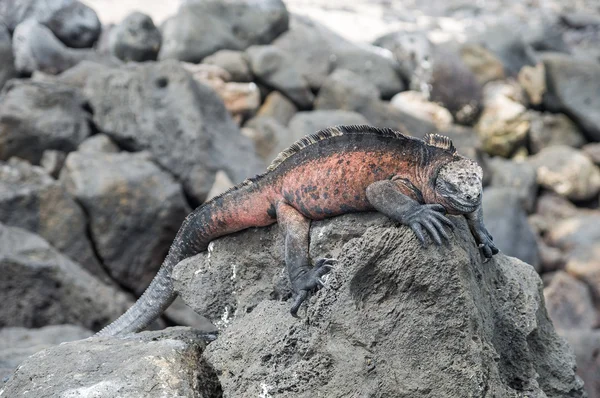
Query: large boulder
x,y
397,319
17,343
36,48
274,68
201,28
32,200
35,116
134,209
7,69
40,286
71,21
135,39
159,107
573,87
168,363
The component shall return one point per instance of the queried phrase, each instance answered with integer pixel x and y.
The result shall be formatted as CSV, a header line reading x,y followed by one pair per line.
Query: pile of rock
x,y
110,135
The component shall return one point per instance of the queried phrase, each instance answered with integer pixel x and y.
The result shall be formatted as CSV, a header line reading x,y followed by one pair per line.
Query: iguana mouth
x,y
464,206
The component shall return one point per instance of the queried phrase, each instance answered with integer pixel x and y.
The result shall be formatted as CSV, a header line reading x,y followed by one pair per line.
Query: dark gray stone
x,y
31,199
40,286
36,48
345,90
135,39
506,220
274,68
201,28
167,363
486,321
312,46
134,210
310,122
7,67
71,21
159,107
519,176
234,62
572,87
16,343
455,86
372,65
37,116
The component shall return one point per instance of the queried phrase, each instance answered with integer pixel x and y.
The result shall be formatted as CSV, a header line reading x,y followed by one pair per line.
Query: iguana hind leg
x,y
303,277
397,199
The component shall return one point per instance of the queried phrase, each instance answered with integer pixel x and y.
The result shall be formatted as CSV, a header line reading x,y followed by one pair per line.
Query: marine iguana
x,y
335,171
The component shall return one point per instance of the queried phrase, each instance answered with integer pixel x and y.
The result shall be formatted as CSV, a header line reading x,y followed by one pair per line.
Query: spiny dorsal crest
x,y
328,133
440,141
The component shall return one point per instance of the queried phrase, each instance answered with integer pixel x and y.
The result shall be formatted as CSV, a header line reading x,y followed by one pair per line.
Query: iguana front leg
x,y
397,199
303,277
480,233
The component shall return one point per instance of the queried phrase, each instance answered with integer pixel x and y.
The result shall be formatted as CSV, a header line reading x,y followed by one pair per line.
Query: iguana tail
x,y
237,209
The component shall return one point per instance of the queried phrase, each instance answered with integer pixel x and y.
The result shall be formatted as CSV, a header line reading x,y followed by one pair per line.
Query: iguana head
x,y
459,187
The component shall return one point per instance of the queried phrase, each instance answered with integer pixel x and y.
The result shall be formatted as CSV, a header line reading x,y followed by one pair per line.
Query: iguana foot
x,y
431,218
310,280
485,243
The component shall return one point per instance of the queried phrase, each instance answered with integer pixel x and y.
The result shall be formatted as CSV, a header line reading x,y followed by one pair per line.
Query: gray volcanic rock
x,y
395,318
36,116
32,200
16,343
573,87
36,48
375,66
586,344
569,303
7,68
275,69
159,107
310,122
135,39
72,22
167,363
234,62
201,28
134,210
507,222
519,176
40,286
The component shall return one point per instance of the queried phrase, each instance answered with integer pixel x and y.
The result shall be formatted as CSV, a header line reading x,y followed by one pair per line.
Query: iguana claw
x,y
310,281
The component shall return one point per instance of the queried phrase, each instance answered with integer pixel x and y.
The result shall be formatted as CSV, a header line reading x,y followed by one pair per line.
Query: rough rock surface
x,y
16,343
160,108
567,172
507,222
72,22
135,39
573,87
166,363
32,200
40,286
200,29
134,207
36,116
482,328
